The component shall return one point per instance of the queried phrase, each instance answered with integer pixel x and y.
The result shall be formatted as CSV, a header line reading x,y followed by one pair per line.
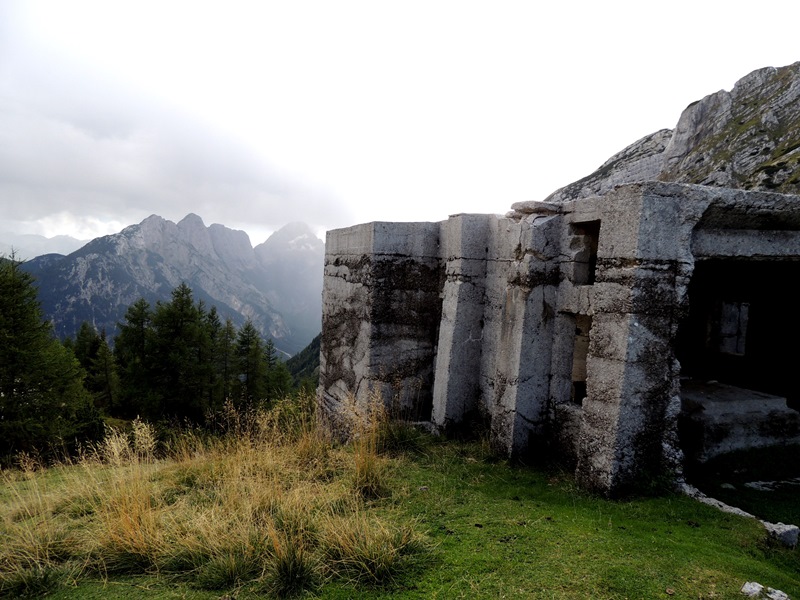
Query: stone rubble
x,y
786,534
752,589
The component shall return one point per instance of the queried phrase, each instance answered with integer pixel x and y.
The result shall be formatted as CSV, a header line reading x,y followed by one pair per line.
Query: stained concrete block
x,y
478,314
718,419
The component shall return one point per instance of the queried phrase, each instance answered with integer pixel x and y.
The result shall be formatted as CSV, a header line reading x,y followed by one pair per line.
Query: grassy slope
x,y
725,478
512,532
500,531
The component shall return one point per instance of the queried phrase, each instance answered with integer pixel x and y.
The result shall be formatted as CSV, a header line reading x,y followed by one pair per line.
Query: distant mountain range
x,y
26,245
277,284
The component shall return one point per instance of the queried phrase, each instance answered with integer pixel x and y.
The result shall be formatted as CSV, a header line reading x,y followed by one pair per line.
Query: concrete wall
x,y
555,323
380,319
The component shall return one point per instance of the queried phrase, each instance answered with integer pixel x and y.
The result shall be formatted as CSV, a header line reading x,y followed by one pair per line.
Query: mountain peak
x,y
281,296
296,235
191,220
195,232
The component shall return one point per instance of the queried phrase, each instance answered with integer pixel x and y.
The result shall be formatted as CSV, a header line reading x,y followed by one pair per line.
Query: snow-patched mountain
x,y
277,285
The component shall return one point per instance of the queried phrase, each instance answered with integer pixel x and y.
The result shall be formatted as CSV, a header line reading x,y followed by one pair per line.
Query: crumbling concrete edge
x,y
785,534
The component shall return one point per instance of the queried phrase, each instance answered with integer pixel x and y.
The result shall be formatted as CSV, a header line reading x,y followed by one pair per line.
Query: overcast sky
x,y
254,114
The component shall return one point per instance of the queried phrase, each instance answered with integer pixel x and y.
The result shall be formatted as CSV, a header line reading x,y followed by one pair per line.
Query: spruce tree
x,y
103,380
43,401
253,366
225,362
279,379
181,356
132,350
86,345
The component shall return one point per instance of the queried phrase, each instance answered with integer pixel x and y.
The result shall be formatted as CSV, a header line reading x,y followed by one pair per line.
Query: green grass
x,y
724,478
450,522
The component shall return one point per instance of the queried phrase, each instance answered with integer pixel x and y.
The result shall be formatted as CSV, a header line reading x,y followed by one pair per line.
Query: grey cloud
x,y
70,142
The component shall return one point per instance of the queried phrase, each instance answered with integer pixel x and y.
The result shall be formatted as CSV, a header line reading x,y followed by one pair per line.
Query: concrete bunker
x,y
615,334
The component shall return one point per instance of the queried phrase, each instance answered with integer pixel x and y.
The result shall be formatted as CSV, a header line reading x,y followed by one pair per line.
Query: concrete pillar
x,y
456,389
633,377
523,348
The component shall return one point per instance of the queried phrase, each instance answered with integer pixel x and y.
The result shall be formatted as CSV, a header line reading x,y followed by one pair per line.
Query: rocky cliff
x,y
747,138
277,285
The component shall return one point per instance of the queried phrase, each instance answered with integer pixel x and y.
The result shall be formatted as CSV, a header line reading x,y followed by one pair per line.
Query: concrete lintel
x,y
749,243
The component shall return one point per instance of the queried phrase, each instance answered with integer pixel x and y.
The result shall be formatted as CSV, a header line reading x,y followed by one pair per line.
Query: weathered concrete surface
x,y
464,251
567,324
380,293
561,326
719,419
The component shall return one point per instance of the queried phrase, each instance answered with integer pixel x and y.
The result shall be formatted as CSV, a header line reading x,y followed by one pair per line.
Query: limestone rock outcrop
x,y
746,138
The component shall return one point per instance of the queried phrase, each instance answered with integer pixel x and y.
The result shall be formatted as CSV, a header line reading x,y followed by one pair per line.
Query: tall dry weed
x,y
255,505
369,471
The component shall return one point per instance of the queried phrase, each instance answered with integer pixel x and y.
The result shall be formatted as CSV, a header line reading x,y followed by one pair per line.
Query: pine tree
x,y
42,397
103,380
279,379
225,362
132,350
213,331
182,356
86,345
252,364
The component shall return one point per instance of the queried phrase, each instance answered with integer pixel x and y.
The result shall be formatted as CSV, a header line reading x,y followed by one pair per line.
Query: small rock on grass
x,y
752,589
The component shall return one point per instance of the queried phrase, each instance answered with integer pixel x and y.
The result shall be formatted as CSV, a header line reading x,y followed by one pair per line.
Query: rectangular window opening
x,y
583,324
585,241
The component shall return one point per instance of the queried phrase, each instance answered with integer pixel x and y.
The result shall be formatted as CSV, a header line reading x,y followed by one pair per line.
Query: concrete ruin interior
x,y
622,334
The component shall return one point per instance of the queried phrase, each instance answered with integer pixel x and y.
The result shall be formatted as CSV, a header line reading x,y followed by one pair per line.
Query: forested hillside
x,y
175,361
277,285
304,366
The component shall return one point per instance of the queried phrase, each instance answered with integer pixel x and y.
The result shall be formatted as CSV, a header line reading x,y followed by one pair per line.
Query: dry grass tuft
x,y
267,503
365,551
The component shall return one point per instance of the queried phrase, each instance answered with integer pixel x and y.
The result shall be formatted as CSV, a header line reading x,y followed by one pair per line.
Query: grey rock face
x,y
98,282
641,161
747,138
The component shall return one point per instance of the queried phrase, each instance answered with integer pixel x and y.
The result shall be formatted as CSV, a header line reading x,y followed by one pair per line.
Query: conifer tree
x,y
103,380
279,379
132,350
252,364
42,397
225,362
86,345
181,356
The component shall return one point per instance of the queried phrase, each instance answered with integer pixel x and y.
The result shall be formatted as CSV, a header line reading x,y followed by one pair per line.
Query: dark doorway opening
x,y
742,328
